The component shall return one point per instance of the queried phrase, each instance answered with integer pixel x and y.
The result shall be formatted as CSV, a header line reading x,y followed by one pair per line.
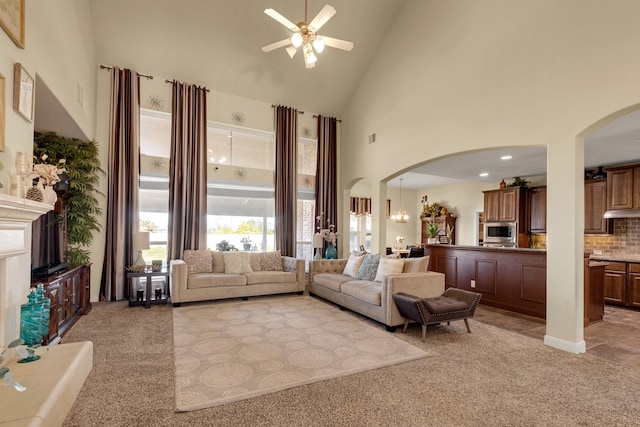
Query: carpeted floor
x,y
490,377
235,350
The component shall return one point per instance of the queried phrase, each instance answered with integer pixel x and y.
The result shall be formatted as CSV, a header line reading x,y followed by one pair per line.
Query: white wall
x,y
495,73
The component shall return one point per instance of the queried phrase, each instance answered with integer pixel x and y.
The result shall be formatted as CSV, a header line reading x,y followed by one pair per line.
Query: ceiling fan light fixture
x,y
296,39
291,50
318,44
310,58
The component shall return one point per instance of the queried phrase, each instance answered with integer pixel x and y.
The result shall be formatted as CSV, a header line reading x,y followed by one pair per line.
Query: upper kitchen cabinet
x,y
595,205
624,187
538,210
505,205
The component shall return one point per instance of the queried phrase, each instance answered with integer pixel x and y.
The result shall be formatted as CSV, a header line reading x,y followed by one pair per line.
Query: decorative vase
x,y
246,246
331,252
49,195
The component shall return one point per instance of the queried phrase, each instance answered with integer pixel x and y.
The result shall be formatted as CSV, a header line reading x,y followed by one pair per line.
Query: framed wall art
x,y
12,20
2,119
23,92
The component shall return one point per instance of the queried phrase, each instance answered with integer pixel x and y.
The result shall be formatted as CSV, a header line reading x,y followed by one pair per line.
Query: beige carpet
x,y
227,351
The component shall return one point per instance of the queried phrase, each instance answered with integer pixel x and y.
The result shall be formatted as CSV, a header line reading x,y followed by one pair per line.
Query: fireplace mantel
x,y
16,216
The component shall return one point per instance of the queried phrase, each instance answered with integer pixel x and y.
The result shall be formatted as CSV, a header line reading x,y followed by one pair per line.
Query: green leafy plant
x,y
224,246
83,168
432,230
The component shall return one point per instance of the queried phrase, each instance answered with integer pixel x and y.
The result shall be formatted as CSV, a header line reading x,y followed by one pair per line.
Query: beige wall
x,y
495,73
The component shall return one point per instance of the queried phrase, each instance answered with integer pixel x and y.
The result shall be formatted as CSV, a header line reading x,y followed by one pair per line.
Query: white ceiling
x,y
217,43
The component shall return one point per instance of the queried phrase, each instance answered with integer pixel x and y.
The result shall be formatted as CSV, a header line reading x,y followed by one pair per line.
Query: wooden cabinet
x,y
69,295
623,185
506,205
622,284
443,222
538,210
595,205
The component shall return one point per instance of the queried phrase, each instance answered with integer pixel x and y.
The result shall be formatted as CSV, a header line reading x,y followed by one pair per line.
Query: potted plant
x,y
224,246
432,233
246,243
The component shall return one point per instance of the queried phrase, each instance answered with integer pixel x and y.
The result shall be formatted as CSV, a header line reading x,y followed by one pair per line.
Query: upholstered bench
x,y
453,304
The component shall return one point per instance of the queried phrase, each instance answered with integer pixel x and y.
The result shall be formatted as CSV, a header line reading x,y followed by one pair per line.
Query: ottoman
x,y
453,304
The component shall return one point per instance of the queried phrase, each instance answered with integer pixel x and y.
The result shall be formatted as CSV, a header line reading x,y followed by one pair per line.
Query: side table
x,y
160,297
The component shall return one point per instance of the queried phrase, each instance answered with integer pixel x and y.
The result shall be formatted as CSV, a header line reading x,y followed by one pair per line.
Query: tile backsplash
x,y
625,238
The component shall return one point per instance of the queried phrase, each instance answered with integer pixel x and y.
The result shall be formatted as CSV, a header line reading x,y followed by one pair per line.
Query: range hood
x,y
622,213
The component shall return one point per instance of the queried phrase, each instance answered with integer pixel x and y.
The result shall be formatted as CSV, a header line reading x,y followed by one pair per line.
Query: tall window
x,y
240,191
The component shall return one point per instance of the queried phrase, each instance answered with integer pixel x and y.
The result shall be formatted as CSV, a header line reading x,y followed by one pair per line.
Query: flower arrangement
x,y
47,174
245,239
329,234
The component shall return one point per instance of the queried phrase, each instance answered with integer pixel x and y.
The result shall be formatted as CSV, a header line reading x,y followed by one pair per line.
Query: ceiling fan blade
x,y
281,19
337,43
274,46
322,17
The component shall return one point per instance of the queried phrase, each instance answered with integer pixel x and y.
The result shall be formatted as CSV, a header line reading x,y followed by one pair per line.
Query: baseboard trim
x,y
560,344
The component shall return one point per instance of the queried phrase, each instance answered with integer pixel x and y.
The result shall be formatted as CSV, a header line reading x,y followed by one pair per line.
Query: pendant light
x,y
400,216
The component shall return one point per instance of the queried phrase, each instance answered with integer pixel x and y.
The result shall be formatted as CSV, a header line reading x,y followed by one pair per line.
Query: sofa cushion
x,y
369,267
331,281
254,260
237,263
258,277
366,291
271,261
387,267
218,261
416,265
198,261
353,265
213,280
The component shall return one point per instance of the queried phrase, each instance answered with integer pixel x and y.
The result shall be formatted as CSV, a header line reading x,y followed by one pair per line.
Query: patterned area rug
x,y
233,350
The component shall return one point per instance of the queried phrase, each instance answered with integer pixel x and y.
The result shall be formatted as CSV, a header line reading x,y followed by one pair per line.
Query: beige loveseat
x,y
373,298
208,275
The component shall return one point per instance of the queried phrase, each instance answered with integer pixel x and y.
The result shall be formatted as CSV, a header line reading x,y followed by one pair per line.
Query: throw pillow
x,y
271,261
218,261
237,262
388,267
353,265
255,260
198,261
416,265
369,267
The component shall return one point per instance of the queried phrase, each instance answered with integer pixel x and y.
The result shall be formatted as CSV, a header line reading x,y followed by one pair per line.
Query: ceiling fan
x,y
305,35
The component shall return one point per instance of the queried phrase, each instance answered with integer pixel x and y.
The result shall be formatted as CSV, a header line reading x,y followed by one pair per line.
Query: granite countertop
x,y
622,257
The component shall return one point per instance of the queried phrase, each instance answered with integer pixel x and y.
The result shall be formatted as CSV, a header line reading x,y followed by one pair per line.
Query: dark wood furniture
x,y
622,283
505,205
69,292
442,222
538,210
623,185
512,279
593,290
595,205
146,297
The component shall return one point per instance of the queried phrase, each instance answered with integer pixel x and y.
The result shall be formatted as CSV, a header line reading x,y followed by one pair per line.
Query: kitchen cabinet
x,y
505,205
595,205
623,187
538,210
69,295
443,222
622,284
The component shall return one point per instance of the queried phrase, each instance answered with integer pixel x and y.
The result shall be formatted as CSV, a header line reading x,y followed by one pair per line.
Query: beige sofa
x,y
373,299
203,275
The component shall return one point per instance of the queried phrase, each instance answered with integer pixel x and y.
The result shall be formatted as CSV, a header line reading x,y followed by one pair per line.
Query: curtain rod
x,y
337,120
104,67
171,81
274,106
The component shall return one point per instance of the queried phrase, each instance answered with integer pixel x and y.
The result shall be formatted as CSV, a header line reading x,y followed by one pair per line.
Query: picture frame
x,y
23,92
2,118
12,20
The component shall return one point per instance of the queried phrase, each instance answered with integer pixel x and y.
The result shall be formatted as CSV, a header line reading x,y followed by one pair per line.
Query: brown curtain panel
x,y
188,170
286,179
123,177
327,172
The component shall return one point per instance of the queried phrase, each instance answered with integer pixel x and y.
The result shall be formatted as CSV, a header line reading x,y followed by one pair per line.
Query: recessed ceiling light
x,y
506,157
483,174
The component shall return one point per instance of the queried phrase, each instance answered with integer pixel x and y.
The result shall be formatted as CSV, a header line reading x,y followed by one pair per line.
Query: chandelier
x,y
401,215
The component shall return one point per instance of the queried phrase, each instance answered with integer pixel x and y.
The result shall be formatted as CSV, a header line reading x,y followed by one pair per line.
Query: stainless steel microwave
x,y
501,232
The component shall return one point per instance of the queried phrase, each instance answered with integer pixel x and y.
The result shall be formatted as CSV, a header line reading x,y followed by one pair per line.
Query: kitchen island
x,y
514,279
